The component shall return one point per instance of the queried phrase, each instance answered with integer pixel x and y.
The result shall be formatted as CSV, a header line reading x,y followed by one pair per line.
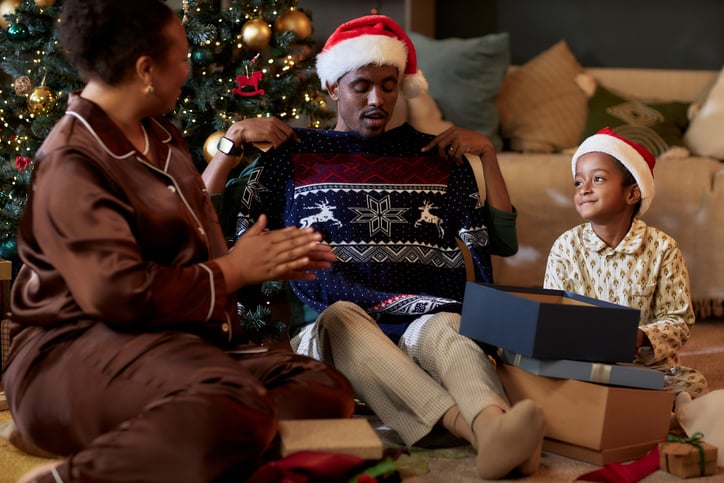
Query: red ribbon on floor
x,y
625,473
307,467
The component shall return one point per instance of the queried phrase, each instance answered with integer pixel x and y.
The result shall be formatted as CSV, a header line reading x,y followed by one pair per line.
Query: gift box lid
x,y
621,374
549,324
352,436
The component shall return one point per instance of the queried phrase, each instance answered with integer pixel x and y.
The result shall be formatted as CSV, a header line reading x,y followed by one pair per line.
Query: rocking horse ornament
x,y
248,85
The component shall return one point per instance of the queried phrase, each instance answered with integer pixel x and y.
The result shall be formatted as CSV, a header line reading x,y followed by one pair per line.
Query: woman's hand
x,y
284,254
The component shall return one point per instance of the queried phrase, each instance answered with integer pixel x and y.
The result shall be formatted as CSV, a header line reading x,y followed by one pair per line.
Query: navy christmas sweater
x,y
391,215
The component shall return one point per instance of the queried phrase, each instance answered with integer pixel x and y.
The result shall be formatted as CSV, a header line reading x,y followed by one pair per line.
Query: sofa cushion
x,y
704,135
465,77
540,105
656,126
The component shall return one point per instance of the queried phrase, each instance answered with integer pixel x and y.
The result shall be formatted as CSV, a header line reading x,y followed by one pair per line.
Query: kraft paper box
x,y
5,269
600,457
592,415
628,375
5,278
549,324
352,436
686,460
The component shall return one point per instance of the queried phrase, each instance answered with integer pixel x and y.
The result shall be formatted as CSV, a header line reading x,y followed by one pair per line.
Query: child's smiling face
x,y
601,195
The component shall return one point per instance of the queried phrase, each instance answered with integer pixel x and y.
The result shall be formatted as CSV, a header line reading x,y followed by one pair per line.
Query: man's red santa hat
x,y
636,158
372,39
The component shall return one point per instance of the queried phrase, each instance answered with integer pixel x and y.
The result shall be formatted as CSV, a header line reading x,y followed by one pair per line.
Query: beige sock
x,y
454,422
508,440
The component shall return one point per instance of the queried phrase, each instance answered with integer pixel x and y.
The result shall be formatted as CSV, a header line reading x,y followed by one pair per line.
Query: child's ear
x,y
634,194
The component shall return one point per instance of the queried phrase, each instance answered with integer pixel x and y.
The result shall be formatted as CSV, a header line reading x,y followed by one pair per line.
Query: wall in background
x,y
665,34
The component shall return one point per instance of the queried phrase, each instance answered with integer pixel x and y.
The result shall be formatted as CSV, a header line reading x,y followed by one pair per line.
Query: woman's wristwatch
x,y
227,146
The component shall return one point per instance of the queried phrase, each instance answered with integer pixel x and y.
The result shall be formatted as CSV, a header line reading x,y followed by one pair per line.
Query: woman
x,y
125,305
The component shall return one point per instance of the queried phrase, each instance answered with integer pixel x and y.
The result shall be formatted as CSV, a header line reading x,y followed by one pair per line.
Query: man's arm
x,y
456,142
268,130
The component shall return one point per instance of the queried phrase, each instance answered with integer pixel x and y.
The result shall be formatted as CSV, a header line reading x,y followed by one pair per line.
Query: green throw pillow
x,y
465,77
657,127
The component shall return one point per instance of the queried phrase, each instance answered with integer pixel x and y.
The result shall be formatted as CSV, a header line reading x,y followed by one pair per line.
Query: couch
x,y
538,112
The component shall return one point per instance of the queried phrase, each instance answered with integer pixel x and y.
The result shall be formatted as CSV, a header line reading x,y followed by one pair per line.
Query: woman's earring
x,y
149,89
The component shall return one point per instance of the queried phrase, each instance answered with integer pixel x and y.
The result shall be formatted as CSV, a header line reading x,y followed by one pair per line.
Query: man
x,y
391,204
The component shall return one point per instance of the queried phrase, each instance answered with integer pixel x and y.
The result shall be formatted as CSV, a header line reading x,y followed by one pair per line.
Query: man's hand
x,y
265,131
455,142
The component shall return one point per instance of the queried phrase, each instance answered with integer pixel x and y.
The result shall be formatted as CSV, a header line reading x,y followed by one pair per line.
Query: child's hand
x,y
642,340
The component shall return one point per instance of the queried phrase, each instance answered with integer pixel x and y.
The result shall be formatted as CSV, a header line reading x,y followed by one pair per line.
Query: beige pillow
x,y
541,107
421,112
705,134
425,116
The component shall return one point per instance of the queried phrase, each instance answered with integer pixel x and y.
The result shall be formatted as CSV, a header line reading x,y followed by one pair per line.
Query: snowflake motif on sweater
x,y
390,213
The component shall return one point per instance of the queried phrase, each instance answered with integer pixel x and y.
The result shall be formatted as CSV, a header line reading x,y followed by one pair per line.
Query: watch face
x,y
225,145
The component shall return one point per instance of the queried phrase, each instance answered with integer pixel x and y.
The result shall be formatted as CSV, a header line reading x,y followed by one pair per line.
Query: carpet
x,y
444,459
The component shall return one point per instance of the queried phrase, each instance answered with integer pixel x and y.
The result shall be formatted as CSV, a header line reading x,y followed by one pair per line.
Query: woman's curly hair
x,y
103,38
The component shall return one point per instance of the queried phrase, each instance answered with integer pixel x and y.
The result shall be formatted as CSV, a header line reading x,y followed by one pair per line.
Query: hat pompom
x,y
414,84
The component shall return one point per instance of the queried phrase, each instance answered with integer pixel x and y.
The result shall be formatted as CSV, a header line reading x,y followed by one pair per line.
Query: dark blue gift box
x,y
549,324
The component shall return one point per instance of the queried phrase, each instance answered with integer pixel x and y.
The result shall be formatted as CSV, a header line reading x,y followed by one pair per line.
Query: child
x,y
616,257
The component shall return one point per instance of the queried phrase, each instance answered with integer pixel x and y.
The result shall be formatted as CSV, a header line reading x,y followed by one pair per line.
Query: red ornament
x,y
248,85
22,162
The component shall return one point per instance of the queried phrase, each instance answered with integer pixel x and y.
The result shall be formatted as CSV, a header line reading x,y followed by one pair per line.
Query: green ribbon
x,y
694,441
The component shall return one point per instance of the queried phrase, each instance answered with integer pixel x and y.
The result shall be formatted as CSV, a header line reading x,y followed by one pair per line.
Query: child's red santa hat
x,y
372,39
636,158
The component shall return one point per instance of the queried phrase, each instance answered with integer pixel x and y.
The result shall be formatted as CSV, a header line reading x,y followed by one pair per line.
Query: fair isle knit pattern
x,y
390,213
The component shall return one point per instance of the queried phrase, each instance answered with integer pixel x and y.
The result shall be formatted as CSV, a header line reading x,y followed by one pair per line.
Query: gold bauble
x,y
44,3
42,100
294,21
7,7
256,34
211,143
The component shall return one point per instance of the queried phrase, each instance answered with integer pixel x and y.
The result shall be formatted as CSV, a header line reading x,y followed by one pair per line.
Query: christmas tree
x,y
254,58
248,58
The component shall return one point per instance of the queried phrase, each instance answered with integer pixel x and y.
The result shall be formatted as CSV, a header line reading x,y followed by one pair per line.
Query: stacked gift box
x,y
688,457
573,355
5,281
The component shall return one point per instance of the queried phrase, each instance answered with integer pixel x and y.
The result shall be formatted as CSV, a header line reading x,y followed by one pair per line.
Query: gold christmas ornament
x,y
44,3
211,143
23,85
294,21
256,34
42,100
7,7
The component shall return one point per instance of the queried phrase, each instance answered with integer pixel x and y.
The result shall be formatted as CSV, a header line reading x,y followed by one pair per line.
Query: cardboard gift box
x,y
352,436
688,459
629,375
549,324
6,276
599,457
590,415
